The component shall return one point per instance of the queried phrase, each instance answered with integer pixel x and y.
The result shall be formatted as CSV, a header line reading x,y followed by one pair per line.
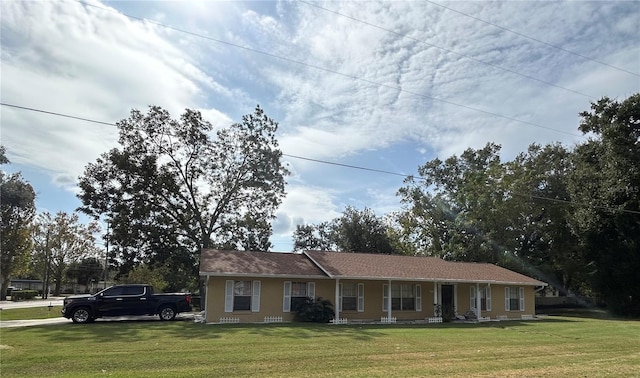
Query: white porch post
x,y
435,298
389,299
206,300
478,301
336,308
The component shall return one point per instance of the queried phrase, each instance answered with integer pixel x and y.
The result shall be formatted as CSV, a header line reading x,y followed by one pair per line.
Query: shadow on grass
x,y
598,313
184,329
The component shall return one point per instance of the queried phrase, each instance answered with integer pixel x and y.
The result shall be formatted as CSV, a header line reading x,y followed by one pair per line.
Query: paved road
x,y
57,301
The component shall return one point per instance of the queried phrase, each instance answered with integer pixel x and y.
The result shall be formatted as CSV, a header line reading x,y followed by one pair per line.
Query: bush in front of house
x,y
20,295
316,311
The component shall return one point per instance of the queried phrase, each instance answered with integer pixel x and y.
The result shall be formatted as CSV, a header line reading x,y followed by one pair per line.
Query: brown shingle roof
x,y
373,266
354,266
244,263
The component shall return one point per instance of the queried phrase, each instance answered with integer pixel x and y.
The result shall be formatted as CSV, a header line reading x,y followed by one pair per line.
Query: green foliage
x,y
606,186
568,217
354,231
315,311
59,241
448,313
144,275
171,189
17,209
86,270
21,295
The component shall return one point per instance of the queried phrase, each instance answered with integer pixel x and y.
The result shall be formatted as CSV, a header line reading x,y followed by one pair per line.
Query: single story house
x,y
251,286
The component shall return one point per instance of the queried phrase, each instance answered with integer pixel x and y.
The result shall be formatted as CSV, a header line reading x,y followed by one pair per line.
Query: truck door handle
x,y
118,299
143,299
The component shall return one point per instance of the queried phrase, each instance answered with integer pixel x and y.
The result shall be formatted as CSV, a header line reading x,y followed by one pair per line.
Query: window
x,y
514,298
404,297
115,291
349,294
351,297
133,290
296,293
242,296
485,298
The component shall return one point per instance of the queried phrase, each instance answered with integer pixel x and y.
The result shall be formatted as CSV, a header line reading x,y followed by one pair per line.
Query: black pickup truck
x,y
121,300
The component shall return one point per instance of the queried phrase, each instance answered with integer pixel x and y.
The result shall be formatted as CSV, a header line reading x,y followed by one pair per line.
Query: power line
x,y
398,88
56,114
533,39
349,166
572,203
448,50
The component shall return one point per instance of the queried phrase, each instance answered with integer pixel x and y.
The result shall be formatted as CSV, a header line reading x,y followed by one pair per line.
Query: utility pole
x,y
106,256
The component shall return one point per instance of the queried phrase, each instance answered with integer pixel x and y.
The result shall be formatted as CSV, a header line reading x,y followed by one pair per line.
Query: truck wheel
x,y
167,313
81,315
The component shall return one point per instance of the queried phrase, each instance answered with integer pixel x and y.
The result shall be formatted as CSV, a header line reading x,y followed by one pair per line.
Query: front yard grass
x,y
42,312
557,346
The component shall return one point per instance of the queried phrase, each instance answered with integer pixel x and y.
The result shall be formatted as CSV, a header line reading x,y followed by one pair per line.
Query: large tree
x,y
354,231
59,241
17,209
174,187
606,188
88,271
452,207
476,208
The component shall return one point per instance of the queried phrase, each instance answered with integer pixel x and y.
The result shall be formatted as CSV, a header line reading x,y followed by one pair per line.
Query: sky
x,y
385,85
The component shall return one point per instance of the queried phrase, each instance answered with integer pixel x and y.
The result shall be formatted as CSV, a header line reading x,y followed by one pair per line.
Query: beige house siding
x,y
437,280
498,307
272,292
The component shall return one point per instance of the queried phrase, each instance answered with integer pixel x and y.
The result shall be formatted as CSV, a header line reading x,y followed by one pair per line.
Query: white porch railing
x,y
387,320
273,319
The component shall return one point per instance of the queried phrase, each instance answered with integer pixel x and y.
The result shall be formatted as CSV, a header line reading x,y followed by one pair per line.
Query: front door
x,y
448,309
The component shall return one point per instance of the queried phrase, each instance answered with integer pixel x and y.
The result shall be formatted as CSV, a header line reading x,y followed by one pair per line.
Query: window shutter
x,y
488,297
228,296
311,290
286,297
340,299
418,298
385,297
521,289
506,299
255,297
360,297
472,298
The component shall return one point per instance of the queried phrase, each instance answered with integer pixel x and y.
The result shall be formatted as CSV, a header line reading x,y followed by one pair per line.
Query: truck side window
x,y
133,290
113,292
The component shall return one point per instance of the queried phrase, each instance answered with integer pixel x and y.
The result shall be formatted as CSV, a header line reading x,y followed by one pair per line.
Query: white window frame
x,y
484,291
507,298
286,296
359,290
417,297
229,296
360,297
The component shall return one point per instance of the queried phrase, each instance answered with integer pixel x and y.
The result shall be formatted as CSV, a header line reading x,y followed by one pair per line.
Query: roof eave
x,y
260,275
441,280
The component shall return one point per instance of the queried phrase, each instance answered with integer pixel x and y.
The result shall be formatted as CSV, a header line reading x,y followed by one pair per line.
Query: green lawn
x,y
43,312
556,347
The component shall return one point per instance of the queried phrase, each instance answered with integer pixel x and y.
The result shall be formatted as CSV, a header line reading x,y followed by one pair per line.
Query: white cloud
x,y
379,94
90,63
